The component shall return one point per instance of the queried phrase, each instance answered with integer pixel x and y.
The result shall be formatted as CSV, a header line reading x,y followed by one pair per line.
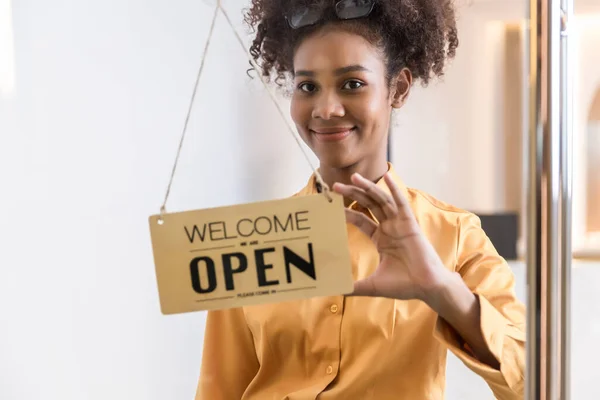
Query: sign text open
x,y
251,254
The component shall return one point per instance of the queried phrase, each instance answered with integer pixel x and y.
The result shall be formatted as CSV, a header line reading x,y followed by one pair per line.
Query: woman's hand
x,y
409,266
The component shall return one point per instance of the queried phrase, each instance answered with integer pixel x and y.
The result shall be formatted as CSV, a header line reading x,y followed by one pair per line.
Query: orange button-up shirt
x,y
370,348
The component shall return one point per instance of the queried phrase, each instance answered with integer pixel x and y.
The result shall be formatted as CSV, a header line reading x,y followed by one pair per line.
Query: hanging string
x,y
163,208
275,102
218,7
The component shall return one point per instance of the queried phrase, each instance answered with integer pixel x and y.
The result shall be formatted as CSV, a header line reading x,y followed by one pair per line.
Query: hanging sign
x,y
253,253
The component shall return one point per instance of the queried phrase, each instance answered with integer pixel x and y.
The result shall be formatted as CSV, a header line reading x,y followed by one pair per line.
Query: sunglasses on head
x,y
344,9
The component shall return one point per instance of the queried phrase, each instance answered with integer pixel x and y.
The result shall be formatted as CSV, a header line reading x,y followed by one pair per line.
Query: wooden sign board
x,y
250,254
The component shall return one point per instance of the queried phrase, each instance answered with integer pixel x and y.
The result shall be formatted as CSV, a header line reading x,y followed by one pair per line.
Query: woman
x,y
427,277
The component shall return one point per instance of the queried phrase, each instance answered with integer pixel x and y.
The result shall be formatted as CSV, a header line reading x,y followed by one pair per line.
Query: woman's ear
x,y
401,88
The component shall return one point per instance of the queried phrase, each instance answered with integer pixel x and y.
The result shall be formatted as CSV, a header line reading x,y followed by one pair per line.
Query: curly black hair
x,y
420,35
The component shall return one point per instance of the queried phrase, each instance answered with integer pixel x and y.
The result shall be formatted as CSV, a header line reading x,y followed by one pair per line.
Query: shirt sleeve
x,y
502,315
229,361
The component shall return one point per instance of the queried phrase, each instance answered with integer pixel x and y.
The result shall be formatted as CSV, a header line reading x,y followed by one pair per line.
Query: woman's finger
x,y
365,287
381,198
357,194
361,221
400,200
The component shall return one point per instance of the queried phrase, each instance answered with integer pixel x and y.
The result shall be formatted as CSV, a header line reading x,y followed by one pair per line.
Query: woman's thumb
x,y
365,287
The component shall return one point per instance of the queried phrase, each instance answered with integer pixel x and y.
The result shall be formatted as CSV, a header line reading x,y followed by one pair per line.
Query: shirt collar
x,y
313,187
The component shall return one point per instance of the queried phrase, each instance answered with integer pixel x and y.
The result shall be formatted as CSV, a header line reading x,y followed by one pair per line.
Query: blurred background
x,y
93,95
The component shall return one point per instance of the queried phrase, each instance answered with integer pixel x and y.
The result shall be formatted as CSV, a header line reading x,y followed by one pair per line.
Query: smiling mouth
x,y
333,135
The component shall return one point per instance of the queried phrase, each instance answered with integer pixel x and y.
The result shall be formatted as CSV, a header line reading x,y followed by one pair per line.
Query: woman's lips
x,y
333,134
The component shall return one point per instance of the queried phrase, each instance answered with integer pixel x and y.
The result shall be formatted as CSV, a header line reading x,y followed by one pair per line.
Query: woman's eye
x,y
307,87
353,85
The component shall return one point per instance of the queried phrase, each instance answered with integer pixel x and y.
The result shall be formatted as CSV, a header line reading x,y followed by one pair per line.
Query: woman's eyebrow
x,y
351,68
337,72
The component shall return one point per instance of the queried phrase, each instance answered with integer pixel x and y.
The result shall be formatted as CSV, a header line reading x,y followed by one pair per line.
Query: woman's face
x,y
341,103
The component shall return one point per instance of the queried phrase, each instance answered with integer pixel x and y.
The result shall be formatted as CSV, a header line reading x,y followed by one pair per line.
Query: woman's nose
x,y
328,106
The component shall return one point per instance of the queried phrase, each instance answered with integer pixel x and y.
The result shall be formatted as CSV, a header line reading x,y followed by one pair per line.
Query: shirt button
x,y
334,308
329,370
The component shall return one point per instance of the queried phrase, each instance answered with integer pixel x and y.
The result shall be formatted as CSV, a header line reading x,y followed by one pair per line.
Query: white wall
x,y
458,154
446,138
87,140
586,84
